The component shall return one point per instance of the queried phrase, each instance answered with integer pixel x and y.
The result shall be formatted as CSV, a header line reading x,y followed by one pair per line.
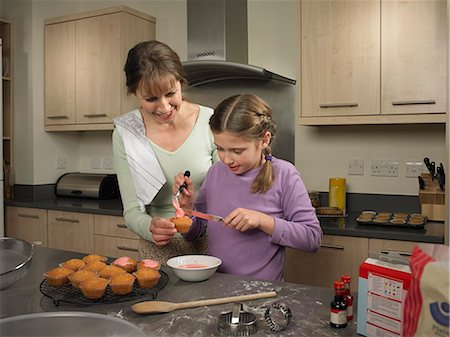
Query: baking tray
x,y
67,293
389,222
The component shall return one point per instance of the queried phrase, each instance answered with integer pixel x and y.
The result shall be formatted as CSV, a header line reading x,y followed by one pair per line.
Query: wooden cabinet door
x,y
414,56
116,247
112,226
338,255
98,68
60,73
71,231
340,67
29,224
386,246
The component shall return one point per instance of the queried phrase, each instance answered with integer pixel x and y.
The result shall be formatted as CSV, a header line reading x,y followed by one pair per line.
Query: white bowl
x,y
194,267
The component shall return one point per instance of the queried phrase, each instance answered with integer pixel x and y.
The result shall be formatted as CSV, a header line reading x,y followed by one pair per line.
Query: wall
x,y
321,152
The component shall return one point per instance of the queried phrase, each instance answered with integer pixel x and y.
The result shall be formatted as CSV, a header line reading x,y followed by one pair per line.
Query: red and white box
x,y
382,289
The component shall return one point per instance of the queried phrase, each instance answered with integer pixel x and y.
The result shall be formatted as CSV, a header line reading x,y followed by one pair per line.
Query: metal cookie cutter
x,y
273,319
237,322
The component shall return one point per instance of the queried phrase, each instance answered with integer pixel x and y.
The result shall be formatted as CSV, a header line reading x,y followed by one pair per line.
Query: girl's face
x,y
238,153
161,107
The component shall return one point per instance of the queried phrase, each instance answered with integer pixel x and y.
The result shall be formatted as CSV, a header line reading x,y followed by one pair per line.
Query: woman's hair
x,y
250,117
152,67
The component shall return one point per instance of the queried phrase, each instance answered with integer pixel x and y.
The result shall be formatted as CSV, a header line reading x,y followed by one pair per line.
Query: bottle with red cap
x,y
348,297
338,308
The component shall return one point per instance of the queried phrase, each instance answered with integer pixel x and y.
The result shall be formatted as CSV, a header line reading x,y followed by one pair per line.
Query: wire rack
x,y
67,293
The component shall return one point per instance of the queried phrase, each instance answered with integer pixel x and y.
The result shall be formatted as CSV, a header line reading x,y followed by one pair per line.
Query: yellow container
x,y
337,193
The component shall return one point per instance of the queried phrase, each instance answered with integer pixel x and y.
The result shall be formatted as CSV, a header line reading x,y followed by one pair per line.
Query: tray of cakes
x,y
330,212
95,279
406,220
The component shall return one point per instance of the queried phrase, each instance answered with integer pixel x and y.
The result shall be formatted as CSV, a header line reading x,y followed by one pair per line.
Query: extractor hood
x,y
218,44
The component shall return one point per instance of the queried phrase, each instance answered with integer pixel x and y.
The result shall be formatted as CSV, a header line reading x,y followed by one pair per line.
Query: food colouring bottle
x,y
348,297
338,308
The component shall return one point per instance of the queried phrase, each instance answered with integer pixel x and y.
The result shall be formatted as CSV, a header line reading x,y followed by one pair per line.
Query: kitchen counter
x,y
309,305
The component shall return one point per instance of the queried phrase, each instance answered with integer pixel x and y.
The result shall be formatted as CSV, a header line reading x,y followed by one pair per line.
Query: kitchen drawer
x,y
29,224
116,247
71,231
113,226
406,247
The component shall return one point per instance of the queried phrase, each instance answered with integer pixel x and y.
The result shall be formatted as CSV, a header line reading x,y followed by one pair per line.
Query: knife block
x,y
432,199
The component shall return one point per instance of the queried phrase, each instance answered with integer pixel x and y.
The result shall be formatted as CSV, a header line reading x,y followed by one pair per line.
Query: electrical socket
x,y
355,167
61,163
413,169
108,163
96,162
384,168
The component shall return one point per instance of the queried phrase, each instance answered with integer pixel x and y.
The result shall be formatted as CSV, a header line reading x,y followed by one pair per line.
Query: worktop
x,y
309,305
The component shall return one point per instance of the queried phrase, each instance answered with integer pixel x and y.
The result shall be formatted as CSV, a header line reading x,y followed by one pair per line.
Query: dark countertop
x,y
309,305
433,232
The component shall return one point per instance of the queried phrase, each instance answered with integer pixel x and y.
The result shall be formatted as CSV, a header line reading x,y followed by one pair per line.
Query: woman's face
x,y
161,107
238,153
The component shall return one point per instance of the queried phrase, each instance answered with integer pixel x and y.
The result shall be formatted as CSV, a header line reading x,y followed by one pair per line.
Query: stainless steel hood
x,y
218,44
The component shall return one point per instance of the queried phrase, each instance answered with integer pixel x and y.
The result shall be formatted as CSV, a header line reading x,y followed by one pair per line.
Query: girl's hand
x,y
187,195
162,231
243,220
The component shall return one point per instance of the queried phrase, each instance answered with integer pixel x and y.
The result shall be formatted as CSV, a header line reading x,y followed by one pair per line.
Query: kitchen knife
x,y
427,162
421,183
433,168
440,178
191,212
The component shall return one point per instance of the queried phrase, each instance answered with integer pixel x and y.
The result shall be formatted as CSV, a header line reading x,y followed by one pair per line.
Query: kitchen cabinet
x,y
84,58
71,231
360,64
338,255
402,247
6,30
113,238
29,224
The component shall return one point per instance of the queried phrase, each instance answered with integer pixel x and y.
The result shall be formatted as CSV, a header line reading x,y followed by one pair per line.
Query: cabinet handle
x,y
414,102
338,105
329,245
58,117
29,216
67,219
121,225
95,115
127,248
399,252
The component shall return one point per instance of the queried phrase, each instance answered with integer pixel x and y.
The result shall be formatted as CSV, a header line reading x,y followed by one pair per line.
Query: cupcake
x,y
95,266
80,276
74,264
147,277
122,284
109,271
182,224
58,276
147,263
126,263
94,257
94,288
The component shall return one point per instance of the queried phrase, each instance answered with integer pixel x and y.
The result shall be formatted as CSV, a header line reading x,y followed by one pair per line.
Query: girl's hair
x,y
248,116
152,67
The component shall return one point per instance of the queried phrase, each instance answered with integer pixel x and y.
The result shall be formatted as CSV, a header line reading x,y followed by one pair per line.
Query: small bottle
x,y
338,308
348,297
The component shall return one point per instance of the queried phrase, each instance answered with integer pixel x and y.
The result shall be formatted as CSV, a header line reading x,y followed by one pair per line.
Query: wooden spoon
x,y
154,307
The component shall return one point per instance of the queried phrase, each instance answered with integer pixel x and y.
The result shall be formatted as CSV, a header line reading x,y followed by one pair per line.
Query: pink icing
x,y
178,211
122,261
150,263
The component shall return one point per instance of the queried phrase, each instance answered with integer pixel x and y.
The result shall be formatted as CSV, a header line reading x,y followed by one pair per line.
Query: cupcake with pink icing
x,y
148,263
126,263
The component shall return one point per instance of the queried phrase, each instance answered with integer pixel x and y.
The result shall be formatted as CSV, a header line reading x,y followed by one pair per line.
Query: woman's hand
x,y
162,231
243,220
187,195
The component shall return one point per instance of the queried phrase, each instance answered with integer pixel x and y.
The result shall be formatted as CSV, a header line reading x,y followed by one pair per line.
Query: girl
x,y
263,200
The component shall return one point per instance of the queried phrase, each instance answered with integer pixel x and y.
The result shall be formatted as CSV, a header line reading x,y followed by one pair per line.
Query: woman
x,y
151,144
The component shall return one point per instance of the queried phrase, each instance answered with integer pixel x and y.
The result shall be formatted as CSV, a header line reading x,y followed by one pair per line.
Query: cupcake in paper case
x,y
94,288
109,271
147,277
74,264
58,276
148,263
94,257
182,224
122,284
80,276
126,263
95,266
